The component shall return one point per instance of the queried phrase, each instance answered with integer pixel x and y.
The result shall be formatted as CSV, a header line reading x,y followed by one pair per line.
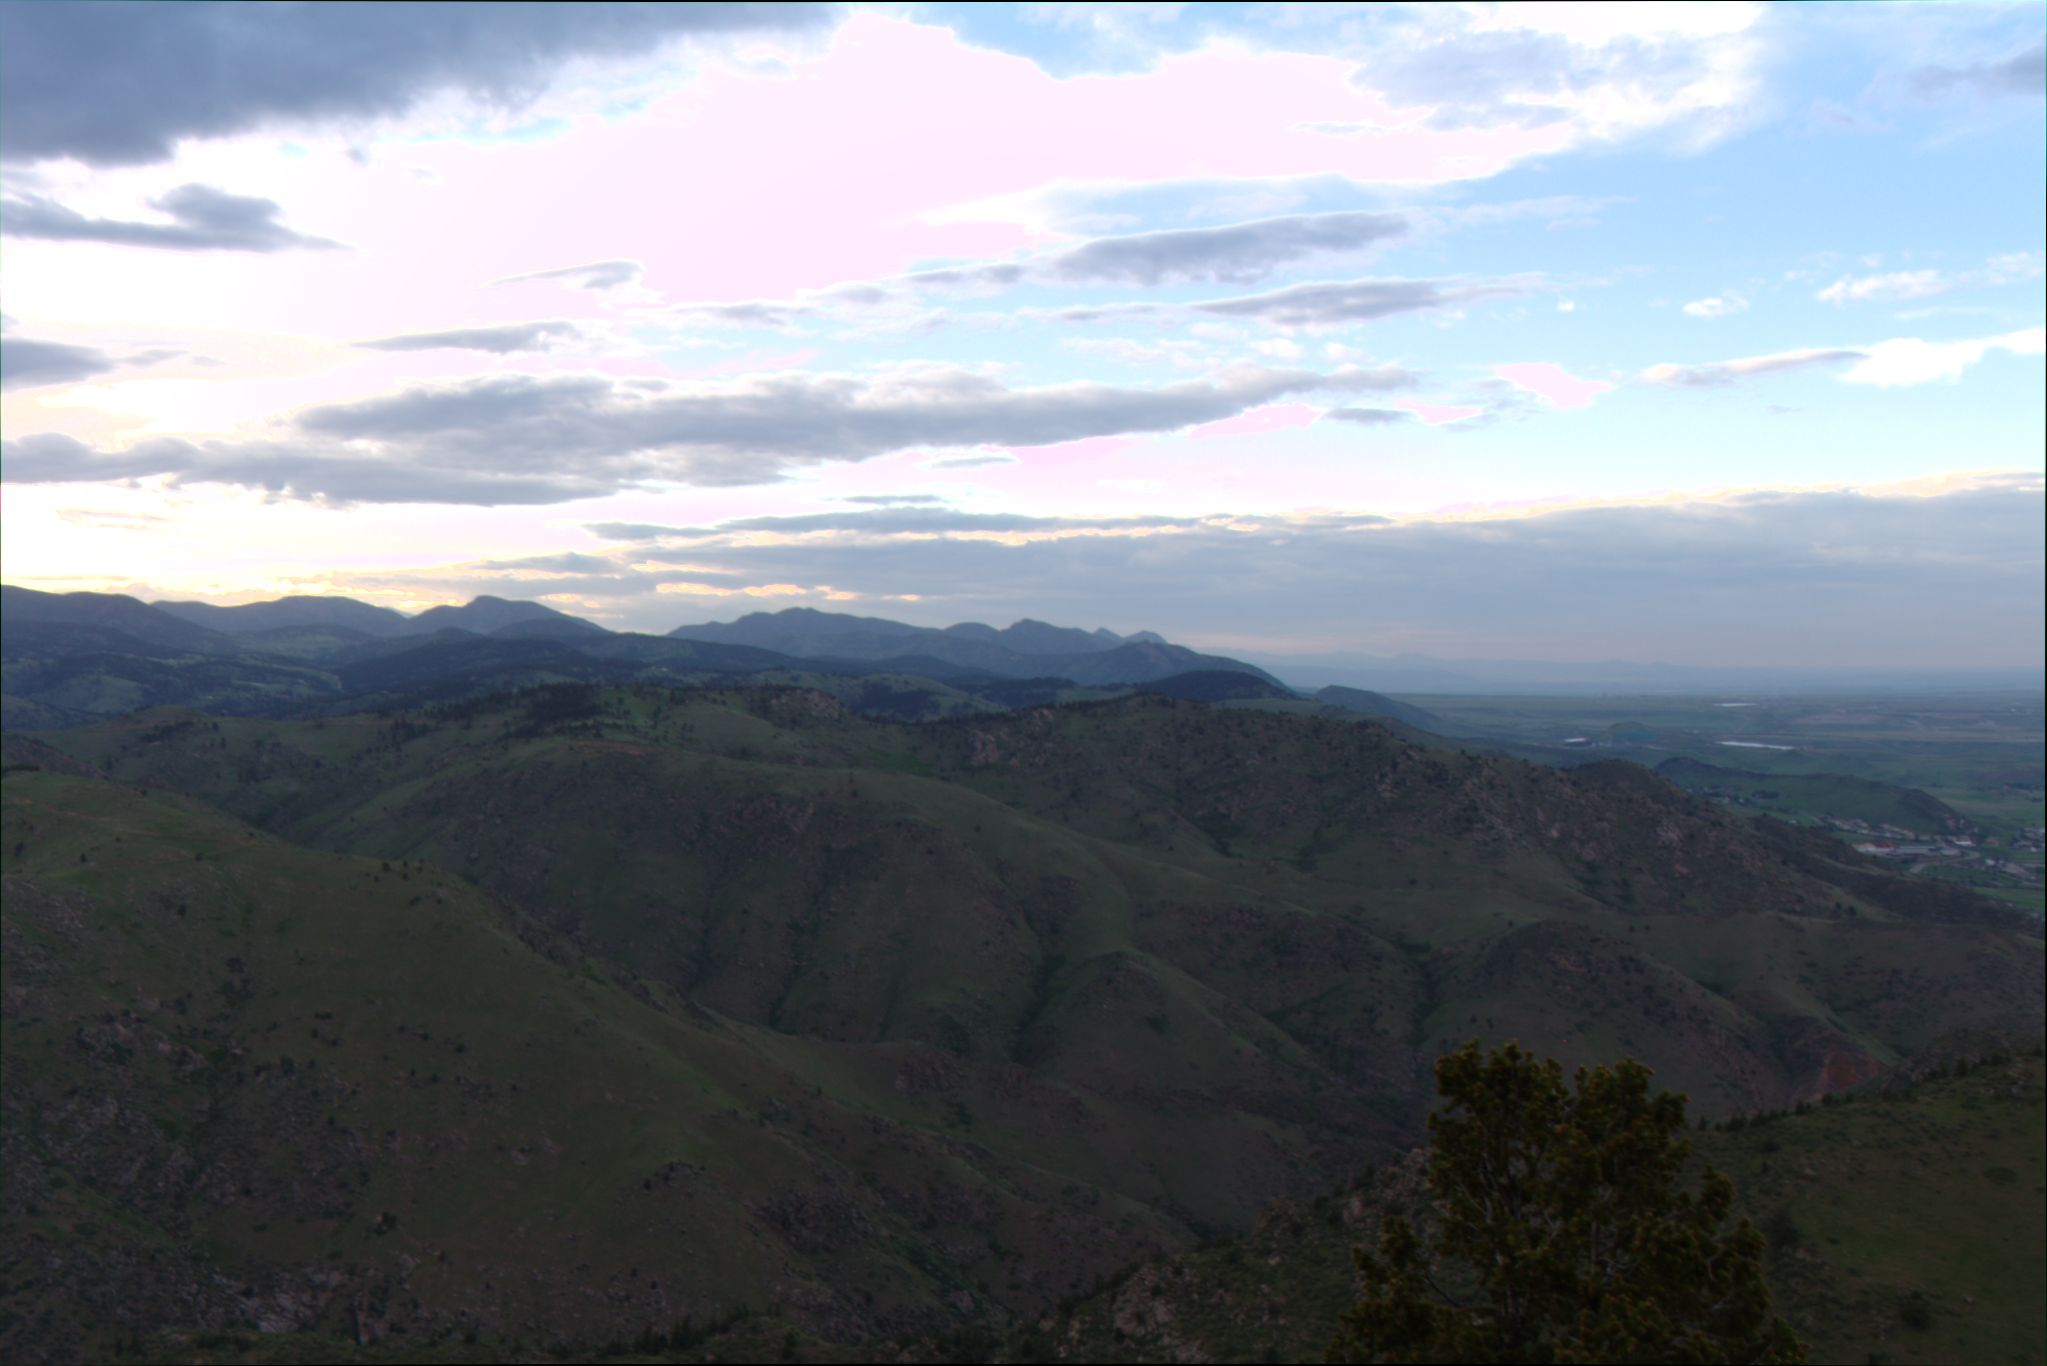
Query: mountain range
x,y
488,984
72,657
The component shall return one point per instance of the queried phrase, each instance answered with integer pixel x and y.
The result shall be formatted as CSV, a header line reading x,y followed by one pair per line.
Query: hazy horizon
x,y
1708,336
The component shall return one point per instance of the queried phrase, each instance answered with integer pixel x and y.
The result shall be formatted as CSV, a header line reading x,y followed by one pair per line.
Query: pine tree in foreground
x,y
1562,1234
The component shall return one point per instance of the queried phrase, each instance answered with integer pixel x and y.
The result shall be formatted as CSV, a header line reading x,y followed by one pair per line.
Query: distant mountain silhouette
x,y
1217,685
112,612
1027,649
487,615
279,613
1029,637
1378,704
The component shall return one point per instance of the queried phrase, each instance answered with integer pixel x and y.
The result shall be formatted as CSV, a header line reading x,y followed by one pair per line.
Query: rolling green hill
x,y
960,1016
1904,1227
1379,705
1147,826
251,1086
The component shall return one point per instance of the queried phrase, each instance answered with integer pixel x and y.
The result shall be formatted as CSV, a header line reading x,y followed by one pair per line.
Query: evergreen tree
x,y
1561,1233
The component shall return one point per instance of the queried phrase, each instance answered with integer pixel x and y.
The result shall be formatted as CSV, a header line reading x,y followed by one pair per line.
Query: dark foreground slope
x,y
250,1086
1008,1001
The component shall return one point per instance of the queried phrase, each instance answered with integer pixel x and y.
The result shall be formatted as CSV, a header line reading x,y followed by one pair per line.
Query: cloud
x,y
122,85
1718,373
202,219
751,313
1442,414
634,531
892,499
1370,417
1591,72
901,521
328,472
1719,306
27,364
569,562
1235,253
1898,284
541,439
975,461
593,275
2022,74
502,340
1238,253
2013,266
1325,304
1907,360
1898,362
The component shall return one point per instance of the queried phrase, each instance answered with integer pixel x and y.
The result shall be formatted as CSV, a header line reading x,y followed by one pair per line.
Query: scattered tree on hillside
x,y
1561,1233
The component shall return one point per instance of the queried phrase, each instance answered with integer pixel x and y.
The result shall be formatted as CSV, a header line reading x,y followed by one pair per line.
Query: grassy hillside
x,y
898,1032
1905,1225
1207,883
253,1087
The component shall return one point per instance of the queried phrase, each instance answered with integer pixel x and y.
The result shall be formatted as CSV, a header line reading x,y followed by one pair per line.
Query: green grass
x,y
1934,1191
503,1107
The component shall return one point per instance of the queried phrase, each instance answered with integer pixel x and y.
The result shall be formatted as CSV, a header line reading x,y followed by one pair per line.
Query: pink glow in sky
x,y
1273,417
1552,383
897,144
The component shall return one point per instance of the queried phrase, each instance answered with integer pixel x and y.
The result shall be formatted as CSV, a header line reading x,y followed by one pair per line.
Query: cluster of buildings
x,y
1920,850
1941,846
1851,825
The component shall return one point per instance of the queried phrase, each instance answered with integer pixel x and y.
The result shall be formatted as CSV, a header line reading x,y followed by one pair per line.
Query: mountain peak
x,y
487,615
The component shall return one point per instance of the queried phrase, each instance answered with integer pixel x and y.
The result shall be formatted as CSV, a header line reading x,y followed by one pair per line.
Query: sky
x,y
1700,334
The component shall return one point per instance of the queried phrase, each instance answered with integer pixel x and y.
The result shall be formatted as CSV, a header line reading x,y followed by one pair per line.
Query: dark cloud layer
x,y
121,84
26,364
501,340
287,469
892,522
1237,253
1354,301
202,219
530,439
